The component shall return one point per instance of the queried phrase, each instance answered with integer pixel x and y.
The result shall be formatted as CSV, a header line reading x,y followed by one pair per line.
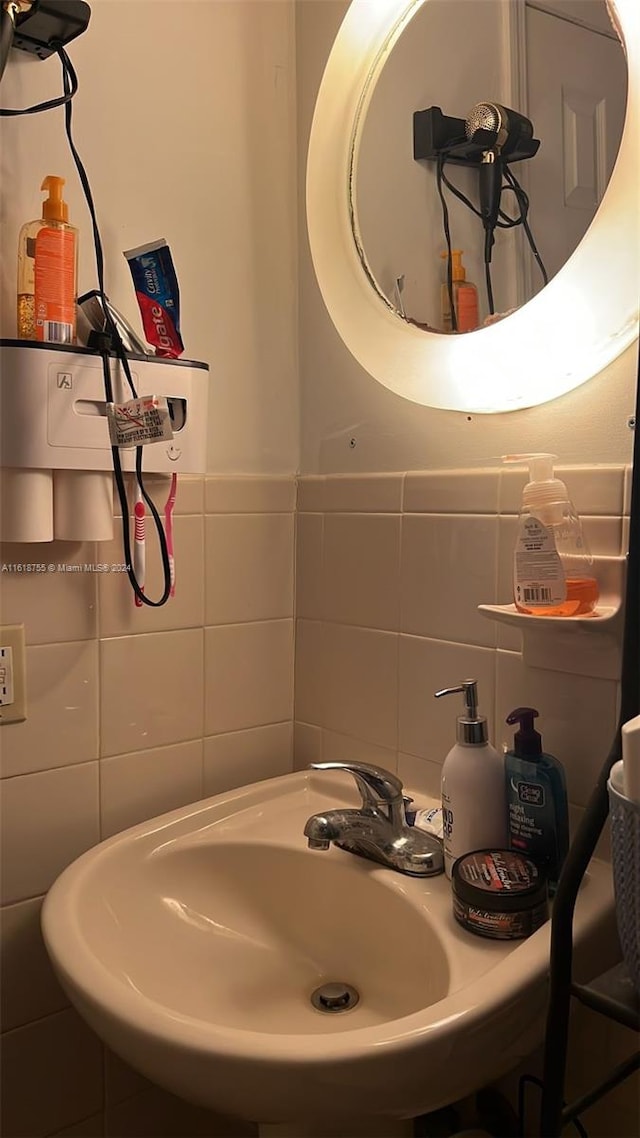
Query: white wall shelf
x,y
585,645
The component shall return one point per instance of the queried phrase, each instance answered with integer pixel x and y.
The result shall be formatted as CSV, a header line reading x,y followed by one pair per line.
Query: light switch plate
x,y
12,638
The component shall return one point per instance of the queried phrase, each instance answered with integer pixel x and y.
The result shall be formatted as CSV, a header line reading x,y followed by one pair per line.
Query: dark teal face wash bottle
x,y
538,814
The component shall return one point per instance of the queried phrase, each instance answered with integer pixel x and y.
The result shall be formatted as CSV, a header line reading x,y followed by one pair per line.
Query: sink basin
x,y
255,930
192,944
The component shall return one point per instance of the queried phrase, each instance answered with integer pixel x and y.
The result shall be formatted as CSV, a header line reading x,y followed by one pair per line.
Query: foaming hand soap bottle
x,y
536,798
473,785
552,567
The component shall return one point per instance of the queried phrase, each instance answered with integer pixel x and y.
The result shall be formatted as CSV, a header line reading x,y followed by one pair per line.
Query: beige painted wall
x,y
185,120
341,403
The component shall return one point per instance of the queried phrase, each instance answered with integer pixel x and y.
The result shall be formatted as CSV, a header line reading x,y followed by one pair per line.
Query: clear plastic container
x,y
553,571
625,856
48,271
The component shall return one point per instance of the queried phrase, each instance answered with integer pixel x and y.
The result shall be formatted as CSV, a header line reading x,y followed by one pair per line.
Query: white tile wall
x,y
309,566
426,725
456,544
451,492
47,820
51,1075
248,674
250,494
133,712
310,697
449,567
147,783
28,987
118,697
344,748
361,569
250,567
359,669
381,493
577,717
307,745
56,605
150,690
62,705
241,757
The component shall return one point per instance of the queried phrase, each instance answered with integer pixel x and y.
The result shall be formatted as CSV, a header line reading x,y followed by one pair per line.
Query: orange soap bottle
x,y
465,296
48,271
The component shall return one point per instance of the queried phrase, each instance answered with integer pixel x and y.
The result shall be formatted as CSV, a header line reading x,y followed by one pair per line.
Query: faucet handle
x,y
376,785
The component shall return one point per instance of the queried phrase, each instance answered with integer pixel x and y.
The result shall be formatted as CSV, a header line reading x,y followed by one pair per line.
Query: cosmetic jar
x,y
499,894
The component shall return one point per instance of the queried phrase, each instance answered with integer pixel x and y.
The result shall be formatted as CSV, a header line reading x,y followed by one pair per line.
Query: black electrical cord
x,y
523,202
458,193
489,286
8,29
590,828
70,85
447,235
504,221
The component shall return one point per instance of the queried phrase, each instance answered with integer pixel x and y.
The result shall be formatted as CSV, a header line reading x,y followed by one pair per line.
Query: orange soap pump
x,y
465,296
48,271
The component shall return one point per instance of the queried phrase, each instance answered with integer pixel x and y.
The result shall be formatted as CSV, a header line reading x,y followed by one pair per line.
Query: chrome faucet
x,y
378,830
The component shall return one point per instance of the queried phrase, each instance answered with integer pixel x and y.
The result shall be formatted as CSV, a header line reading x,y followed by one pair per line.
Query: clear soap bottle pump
x,y
553,571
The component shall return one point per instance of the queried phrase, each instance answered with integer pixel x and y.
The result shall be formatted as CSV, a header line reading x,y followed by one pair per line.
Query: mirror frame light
x,y
578,324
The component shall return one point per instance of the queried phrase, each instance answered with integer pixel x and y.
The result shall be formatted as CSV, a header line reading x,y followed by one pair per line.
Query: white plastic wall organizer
x,y
53,419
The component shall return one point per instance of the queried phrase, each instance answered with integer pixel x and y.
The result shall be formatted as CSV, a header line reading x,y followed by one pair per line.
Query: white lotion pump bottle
x,y
473,785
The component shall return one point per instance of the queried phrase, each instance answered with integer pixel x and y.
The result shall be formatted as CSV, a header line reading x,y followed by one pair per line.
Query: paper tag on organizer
x,y
140,421
537,569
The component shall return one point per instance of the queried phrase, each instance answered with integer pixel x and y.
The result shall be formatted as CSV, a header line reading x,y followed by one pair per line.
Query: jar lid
x,y
499,881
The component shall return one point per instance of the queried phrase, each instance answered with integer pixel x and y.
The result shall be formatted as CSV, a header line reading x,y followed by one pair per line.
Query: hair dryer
x,y
505,131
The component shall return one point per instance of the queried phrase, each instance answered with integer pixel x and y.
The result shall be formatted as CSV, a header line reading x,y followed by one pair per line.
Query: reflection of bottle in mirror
x,y
465,296
552,566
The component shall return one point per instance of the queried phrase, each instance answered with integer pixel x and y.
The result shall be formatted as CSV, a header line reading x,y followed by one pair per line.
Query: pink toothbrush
x,y
139,560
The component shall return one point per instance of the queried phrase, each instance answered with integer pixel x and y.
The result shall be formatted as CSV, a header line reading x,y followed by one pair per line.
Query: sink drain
x,y
335,997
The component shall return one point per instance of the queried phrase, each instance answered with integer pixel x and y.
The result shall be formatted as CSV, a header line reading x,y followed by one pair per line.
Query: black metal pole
x,y
589,830
617,1076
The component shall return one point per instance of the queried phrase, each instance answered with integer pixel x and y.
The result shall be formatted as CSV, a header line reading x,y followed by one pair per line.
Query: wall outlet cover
x,y
13,674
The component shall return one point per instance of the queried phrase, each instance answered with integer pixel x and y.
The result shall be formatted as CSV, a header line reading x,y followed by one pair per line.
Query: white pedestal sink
x,y
192,944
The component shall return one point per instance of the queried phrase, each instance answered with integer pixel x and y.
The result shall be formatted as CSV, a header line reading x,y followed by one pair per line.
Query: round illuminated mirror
x,y
375,214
